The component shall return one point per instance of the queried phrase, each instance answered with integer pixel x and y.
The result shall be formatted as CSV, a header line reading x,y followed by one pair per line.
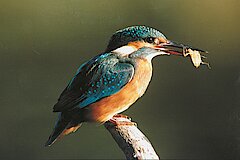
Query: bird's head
x,y
151,41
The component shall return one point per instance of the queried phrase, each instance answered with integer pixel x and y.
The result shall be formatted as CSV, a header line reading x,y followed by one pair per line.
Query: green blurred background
x,y
186,113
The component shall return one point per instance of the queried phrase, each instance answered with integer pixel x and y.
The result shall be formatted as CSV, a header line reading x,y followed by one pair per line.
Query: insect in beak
x,y
173,48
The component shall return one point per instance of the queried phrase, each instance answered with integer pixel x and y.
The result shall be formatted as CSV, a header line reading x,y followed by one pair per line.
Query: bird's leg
x,y
121,116
122,123
122,120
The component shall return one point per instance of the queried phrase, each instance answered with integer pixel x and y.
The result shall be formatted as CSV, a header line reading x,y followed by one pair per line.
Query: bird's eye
x,y
149,39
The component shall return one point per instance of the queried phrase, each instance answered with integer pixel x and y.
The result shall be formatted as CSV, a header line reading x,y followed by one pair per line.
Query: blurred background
x,y
186,113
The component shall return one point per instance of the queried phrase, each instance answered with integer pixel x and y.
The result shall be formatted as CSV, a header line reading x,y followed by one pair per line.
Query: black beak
x,y
177,48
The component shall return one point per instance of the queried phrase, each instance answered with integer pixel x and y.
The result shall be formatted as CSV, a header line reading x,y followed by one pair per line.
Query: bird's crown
x,y
131,34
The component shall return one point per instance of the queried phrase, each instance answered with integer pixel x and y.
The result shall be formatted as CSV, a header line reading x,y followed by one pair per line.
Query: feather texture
x,y
102,76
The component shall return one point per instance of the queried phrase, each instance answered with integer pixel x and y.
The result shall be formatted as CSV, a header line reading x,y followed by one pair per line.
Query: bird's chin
x,y
157,53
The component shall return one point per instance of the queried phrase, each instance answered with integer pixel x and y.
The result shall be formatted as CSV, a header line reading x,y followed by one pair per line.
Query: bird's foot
x,y
121,116
122,123
122,120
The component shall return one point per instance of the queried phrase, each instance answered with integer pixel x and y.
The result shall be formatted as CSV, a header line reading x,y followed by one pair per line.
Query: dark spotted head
x,y
133,34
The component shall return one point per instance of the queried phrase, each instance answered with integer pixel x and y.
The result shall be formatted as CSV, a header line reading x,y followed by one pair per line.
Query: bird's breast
x,y
105,108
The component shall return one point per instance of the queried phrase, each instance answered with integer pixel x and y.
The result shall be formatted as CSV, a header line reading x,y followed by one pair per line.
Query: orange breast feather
x,y
104,109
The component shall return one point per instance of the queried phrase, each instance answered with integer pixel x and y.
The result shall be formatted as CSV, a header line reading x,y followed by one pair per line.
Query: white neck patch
x,y
125,50
157,53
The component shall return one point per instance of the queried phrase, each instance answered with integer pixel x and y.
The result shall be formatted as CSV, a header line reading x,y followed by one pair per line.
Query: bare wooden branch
x,y
130,139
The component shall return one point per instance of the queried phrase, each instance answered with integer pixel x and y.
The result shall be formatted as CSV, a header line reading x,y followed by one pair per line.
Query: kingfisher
x,y
112,81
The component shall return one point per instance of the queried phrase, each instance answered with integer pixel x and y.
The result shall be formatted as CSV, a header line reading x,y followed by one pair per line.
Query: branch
x,y
130,139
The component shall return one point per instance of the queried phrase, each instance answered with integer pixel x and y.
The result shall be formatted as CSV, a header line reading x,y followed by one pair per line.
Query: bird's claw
x,y
121,116
122,123
122,120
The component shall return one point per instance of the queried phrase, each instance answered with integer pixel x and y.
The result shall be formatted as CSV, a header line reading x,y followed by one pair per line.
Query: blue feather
x,y
100,77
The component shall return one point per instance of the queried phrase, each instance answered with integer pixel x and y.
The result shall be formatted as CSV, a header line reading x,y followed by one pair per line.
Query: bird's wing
x,y
103,76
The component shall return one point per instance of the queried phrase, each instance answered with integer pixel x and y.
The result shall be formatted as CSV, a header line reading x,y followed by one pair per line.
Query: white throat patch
x,y
125,50
157,53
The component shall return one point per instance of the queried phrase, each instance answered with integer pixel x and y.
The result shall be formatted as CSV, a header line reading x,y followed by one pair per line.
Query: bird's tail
x,y
64,126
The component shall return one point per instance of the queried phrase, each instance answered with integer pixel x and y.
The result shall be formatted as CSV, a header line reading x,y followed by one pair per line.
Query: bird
x,y
112,81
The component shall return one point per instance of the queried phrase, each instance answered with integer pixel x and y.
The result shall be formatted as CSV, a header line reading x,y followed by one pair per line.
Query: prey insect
x,y
196,57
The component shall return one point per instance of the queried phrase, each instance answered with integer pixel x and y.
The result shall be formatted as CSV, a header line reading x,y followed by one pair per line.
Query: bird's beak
x,y
173,48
